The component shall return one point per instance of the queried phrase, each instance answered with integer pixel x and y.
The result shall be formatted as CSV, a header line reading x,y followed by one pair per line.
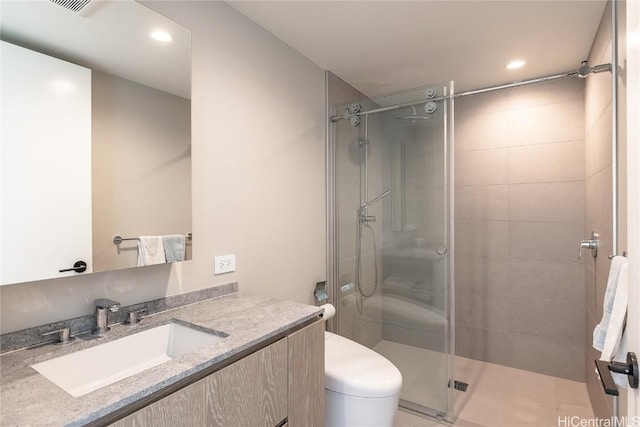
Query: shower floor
x,y
498,396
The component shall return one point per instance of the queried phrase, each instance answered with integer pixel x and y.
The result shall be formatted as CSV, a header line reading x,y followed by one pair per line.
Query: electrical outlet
x,y
224,264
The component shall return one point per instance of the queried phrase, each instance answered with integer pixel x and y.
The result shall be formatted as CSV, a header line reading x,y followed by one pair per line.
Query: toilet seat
x,y
355,370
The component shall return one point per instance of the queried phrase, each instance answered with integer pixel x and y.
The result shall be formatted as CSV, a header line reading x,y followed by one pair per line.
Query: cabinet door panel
x,y
306,376
273,378
45,172
253,390
184,408
215,411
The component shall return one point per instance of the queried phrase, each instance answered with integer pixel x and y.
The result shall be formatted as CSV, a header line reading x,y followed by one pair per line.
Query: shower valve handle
x,y
591,244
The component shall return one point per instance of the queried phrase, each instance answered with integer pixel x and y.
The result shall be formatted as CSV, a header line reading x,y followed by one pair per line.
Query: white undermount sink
x,y
87,370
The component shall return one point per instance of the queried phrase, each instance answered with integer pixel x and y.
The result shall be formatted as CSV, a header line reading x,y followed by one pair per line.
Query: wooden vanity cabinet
x,y
306,376
280,384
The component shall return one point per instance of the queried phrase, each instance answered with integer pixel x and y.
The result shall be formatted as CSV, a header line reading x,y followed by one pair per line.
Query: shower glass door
x,y
391,224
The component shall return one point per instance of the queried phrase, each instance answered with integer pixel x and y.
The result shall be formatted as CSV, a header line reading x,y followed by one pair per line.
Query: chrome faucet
x,y
103,307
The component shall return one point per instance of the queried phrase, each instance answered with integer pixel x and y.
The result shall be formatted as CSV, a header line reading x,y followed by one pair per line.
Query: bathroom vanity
x,y
267,369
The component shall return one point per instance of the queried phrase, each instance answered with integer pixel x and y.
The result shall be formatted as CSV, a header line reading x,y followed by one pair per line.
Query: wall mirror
x,y
96,138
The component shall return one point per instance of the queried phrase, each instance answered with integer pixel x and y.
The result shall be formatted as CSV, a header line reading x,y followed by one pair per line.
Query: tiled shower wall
x,y
519,215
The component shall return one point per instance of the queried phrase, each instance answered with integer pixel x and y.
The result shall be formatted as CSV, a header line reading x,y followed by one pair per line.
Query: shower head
x,y
414,115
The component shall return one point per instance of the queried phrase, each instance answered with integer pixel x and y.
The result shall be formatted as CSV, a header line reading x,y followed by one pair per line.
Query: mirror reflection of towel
x,y
174,247
150,250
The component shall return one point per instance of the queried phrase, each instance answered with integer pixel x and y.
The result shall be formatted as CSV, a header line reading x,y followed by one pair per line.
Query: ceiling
x,y
384,46
111,36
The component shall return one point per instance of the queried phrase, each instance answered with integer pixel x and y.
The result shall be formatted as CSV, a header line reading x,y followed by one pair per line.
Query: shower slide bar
x,y
117,239
582,72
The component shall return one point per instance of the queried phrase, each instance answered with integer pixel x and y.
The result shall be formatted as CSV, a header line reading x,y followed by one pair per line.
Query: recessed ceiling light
x,y
161,36
515,64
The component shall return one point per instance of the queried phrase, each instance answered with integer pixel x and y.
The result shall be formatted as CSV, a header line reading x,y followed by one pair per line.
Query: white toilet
x,y
362,388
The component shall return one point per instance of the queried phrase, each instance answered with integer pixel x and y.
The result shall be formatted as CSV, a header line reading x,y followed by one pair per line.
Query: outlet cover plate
x,y
224,264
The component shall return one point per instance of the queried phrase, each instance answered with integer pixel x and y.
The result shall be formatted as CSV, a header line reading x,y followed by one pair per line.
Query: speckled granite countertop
x,y
28,398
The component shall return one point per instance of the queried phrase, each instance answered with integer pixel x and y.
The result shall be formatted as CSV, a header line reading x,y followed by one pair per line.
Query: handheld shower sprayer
x,y
364,217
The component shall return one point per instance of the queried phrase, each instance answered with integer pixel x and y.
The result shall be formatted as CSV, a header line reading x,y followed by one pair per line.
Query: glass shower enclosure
x,y
391,236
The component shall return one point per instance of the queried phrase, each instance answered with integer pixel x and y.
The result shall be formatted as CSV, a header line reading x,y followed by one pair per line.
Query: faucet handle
x,y
592,244
64,335
135,316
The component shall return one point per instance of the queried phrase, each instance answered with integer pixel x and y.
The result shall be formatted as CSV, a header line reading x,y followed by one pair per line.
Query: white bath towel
x,y
150,250
174,247
600,332
608,336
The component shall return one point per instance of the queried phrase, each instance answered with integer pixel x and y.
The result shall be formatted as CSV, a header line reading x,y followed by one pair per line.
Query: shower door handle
x,y
630,369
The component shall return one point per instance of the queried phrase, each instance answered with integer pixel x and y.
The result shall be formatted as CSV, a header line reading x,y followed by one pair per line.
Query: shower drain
x,y
458,385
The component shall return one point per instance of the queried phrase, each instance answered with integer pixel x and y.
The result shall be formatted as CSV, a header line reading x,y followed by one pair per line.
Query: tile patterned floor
x,y
499,396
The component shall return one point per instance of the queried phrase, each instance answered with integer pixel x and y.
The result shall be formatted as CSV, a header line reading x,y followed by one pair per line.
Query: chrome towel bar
x,y
117,239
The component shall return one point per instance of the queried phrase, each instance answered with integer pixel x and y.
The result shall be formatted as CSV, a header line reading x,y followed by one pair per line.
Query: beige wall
x,y
141,151
519,215
598,194
258,177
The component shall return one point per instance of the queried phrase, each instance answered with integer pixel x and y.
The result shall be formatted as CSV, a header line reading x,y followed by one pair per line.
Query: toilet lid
x,y
353,369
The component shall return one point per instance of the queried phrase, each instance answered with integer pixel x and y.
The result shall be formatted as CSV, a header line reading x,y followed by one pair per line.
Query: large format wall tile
x,y
547,241
489,102
555,201
520,290
598,197
481,167
598,144
562,321
481,276
551,92
482,238
554,162
548,356
482,202
563,121
482,131
554,281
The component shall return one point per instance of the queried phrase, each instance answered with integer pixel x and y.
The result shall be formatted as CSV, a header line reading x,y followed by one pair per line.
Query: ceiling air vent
x,y
73,5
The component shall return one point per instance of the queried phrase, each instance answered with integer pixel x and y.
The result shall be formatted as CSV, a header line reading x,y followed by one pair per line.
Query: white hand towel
x,y
615,345
150,250
174,247
609,336
600,332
